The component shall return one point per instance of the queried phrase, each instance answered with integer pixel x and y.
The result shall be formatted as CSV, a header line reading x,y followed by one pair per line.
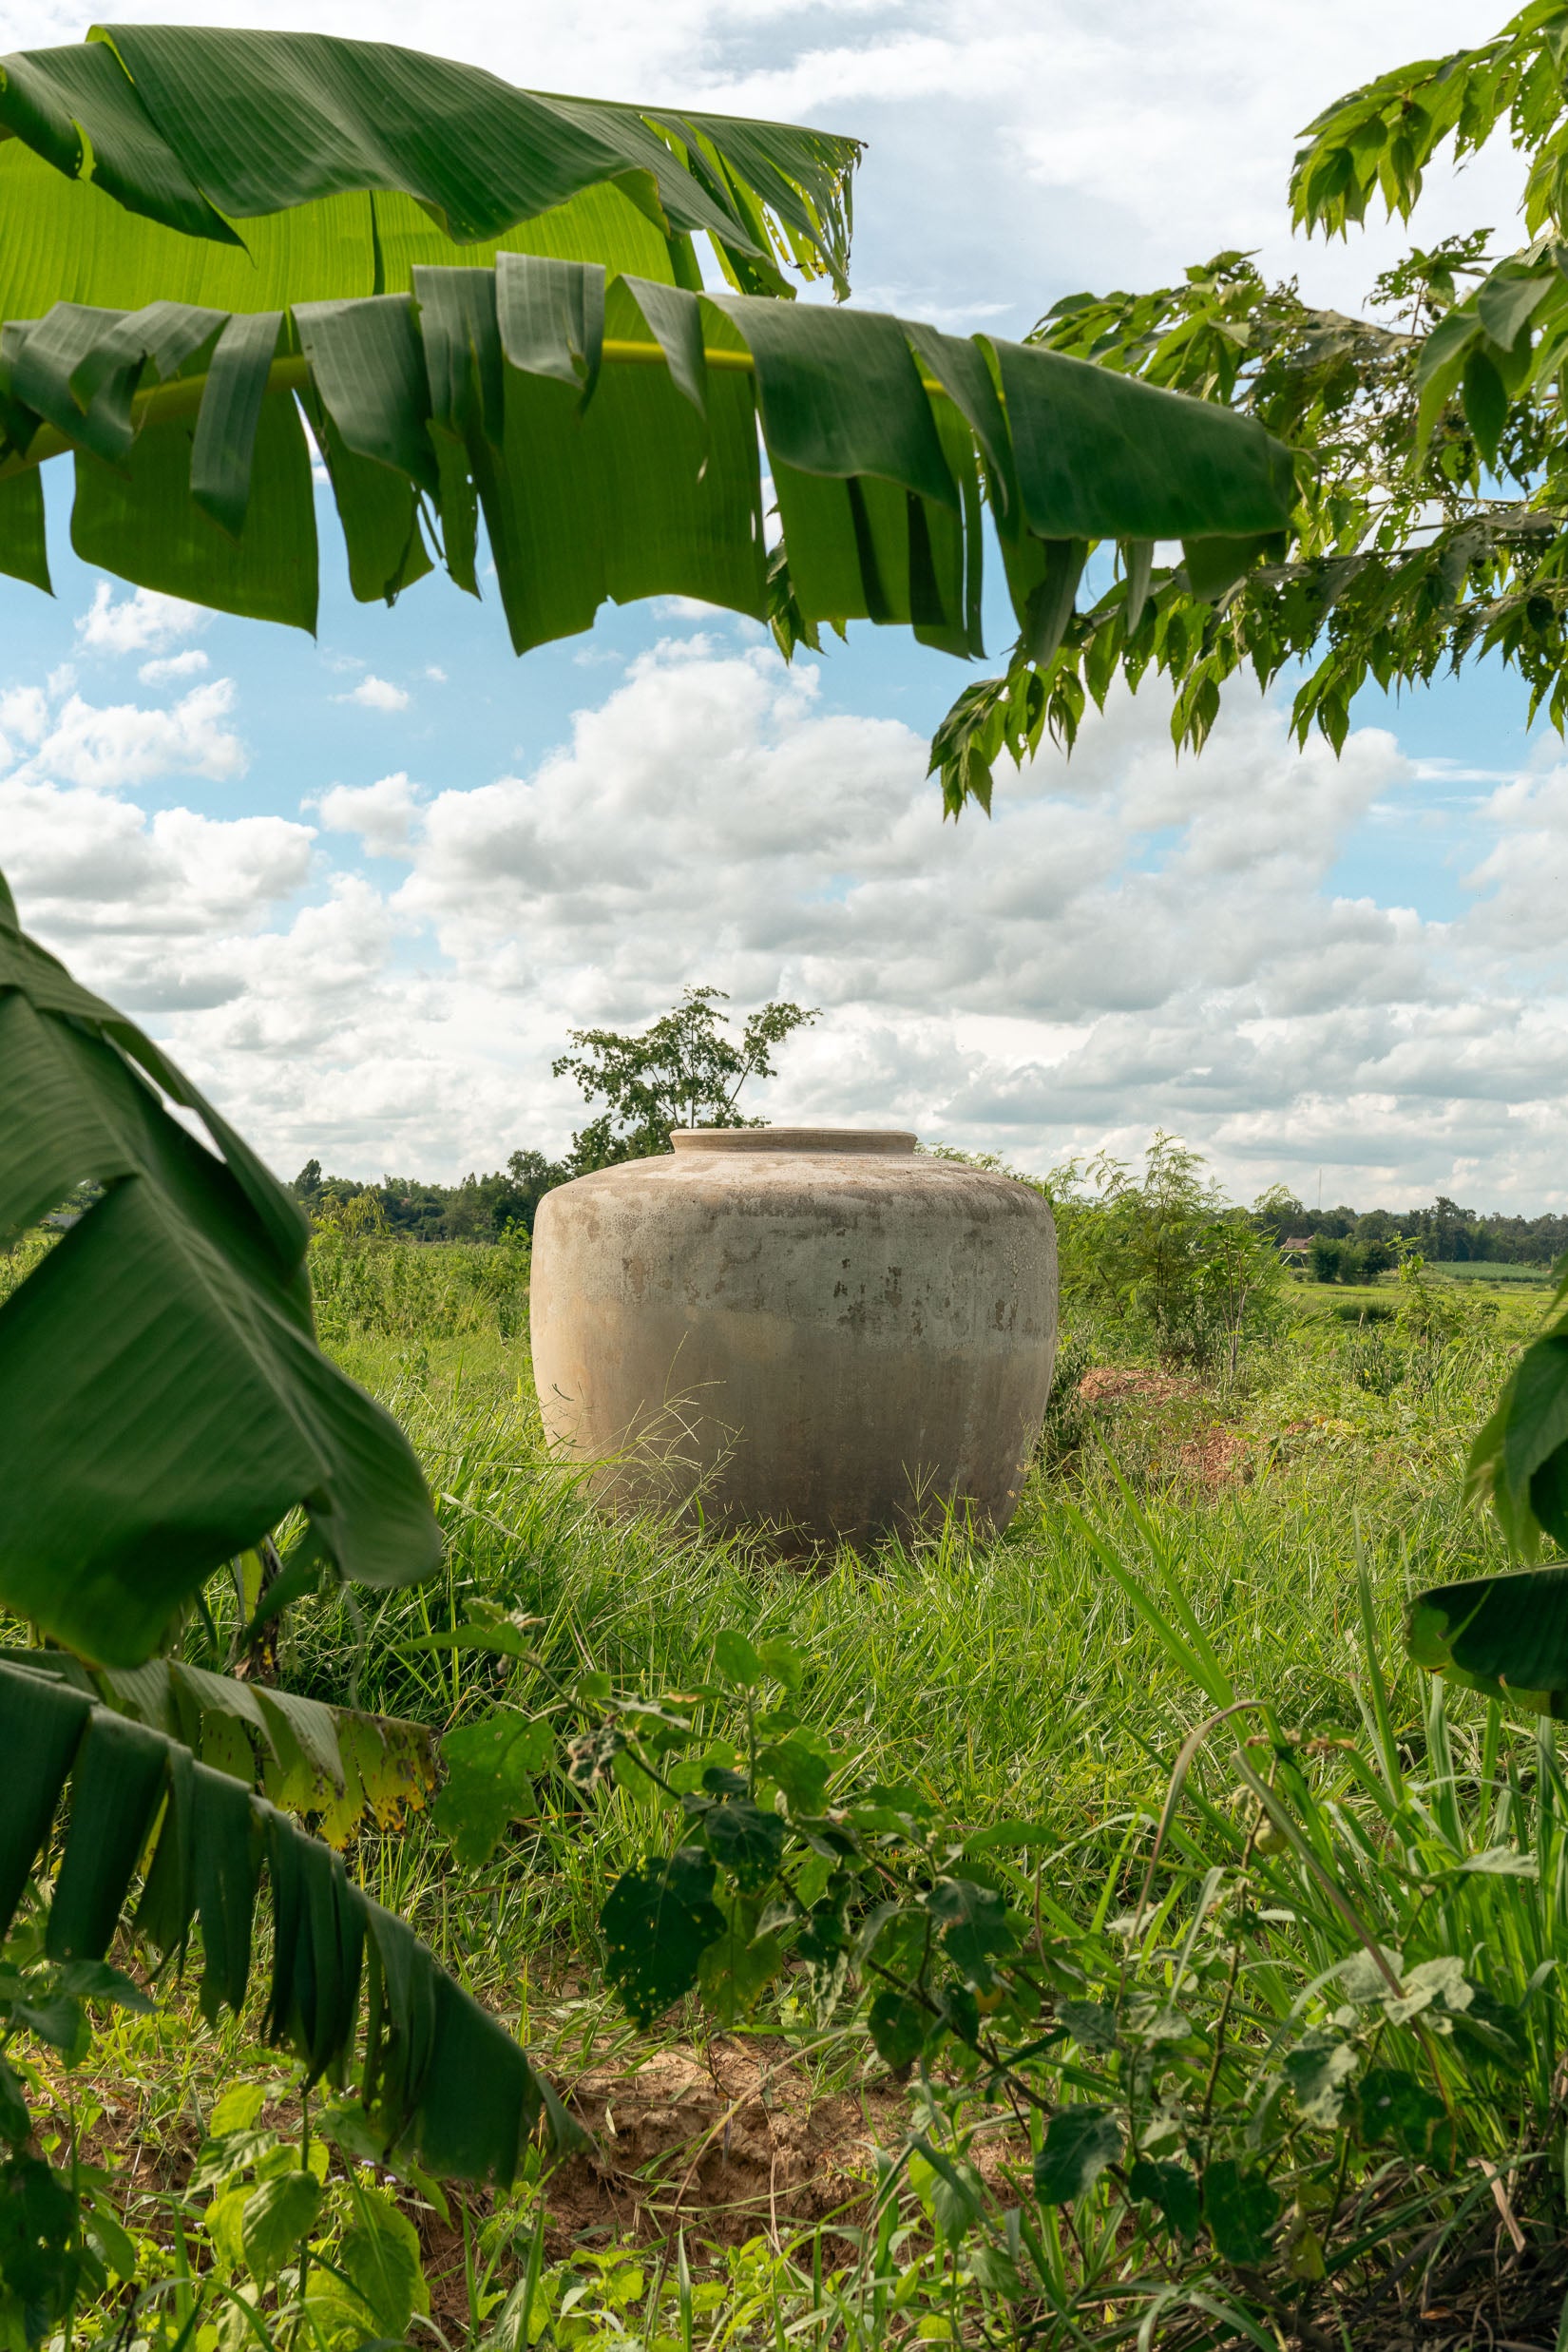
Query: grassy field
x,y
754,2181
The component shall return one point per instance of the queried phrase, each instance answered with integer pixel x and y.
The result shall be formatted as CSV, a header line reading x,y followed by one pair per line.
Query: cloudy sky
x,y
362,886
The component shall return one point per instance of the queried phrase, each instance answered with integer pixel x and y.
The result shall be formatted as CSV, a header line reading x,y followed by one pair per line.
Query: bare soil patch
x,y
1108,1384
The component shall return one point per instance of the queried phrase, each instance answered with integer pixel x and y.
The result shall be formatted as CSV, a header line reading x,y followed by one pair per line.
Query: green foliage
x,y
489,1769
173,1321
1333,1977
1508,1635
439,2075
384,159
682,1071
379,1288
482,1208
1429,481
613,432
1165,1256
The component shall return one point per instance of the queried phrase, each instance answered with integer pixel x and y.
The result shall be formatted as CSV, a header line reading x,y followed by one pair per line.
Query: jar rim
x,y
878,1142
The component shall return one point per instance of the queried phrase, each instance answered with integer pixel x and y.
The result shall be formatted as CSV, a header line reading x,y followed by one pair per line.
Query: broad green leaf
x,y
79,367
142,520
735,1659
1182,468
635,497
974,1927
173,1321
551,319
59,2021
95,1980
950,2187
16,2122
380,2252
222,451
24,548
186,125
802,1765
735,1969
38,2218
506,1641
1091,2024
114,2245
1080,2143
1241,2206
747,1841
1486,400
368,366
624,464
1173,2189
1319,2070
782,1659
840,394
489,1769
45,1722
1393,2105
442,2078
898,2026
277,2216
1510,297
656,1923
238,2109
996,2270
116,1787
1507,1636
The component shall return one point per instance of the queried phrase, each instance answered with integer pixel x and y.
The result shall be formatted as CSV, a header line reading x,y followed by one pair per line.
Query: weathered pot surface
x,y
807,1328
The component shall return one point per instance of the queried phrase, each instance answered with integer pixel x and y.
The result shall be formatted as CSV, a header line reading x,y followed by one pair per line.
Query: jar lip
x,y
874,1142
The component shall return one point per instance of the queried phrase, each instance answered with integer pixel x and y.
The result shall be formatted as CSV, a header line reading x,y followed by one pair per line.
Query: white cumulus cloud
x,y
381,814
169,666
120,745
137,622
378,694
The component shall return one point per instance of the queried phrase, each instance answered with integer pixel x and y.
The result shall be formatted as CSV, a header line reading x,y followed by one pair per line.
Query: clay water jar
x,y
807,1329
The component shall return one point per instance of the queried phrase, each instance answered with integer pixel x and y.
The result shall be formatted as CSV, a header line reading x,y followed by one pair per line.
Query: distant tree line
x,y
482,1208
1445,1235
682,1071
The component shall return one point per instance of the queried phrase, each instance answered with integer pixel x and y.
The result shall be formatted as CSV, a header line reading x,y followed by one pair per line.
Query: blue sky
x,y
364,885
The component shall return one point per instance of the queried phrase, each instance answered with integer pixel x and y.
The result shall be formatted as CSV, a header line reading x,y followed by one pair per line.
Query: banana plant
x,y
249,169
1507,1635
165,1404
440,2078
163,1398
607,415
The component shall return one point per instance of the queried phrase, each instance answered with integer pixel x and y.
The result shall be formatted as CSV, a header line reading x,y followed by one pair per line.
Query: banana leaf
x,y
246,170
338,1764
439,2077
612,431
163,1398
1507,1635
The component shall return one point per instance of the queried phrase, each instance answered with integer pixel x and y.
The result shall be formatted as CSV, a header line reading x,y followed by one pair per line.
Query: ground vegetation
x,y
1002,1983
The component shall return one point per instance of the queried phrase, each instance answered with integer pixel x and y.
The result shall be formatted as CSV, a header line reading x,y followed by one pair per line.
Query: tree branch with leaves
x,y
684,1070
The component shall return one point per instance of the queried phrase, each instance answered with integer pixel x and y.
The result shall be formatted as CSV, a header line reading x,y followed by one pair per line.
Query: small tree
x,y
1167,1258
685,1071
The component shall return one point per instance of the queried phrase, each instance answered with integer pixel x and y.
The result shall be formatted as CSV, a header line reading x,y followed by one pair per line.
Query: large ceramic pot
x,y
806,1328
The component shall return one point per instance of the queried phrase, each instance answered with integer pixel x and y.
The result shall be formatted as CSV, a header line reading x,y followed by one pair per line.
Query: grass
x,y
1015,1680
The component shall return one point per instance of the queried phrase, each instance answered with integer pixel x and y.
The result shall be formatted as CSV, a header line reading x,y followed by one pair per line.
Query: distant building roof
x,y
1301,1241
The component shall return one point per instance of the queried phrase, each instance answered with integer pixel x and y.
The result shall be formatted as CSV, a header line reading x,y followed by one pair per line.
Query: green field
x,y
758,2180
1484,1271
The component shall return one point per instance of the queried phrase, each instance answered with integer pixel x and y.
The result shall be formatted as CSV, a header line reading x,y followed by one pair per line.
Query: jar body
x,y
811,1330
